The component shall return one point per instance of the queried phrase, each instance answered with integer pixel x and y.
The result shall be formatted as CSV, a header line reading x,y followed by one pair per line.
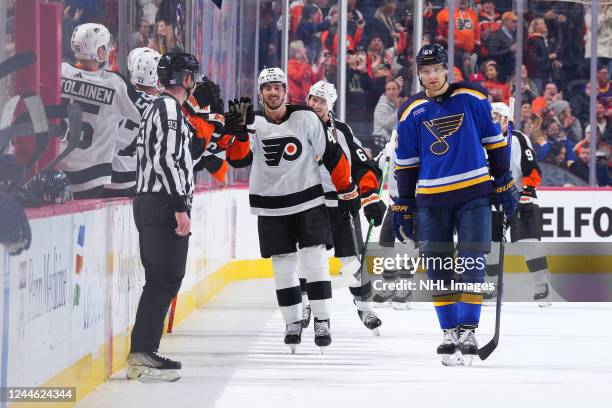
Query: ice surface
x,y
233,356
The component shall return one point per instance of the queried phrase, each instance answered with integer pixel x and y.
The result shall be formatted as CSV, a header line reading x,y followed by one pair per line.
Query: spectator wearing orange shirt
x,y
300,74
467,28
549,95
499,90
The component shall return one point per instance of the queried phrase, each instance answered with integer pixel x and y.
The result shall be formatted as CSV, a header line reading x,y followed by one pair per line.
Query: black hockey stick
x,y
73,137
25,129
488,348
16,62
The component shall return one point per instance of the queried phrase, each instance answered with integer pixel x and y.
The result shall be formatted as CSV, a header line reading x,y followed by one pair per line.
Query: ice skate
x,y
306,313
402,300
542,294
448,351
383,298
322,334
152,367
293,335
468,346
370,320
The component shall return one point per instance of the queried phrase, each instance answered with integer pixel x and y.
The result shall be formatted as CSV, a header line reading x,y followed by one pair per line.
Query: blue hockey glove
x,y
403,218
506,195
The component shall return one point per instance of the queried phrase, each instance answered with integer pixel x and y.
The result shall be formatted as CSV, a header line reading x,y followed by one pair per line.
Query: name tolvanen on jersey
x,y
88,91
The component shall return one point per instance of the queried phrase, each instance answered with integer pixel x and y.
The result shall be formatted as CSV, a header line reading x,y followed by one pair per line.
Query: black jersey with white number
x,y
524,160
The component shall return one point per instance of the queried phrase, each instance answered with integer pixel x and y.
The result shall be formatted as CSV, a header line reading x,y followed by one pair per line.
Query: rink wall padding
x,y
69,302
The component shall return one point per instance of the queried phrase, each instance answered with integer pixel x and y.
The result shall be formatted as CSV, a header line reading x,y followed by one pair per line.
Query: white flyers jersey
x,y
285,177
106,99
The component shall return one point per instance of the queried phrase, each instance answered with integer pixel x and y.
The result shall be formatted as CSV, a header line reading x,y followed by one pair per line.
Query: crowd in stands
x,y
554,75
380,60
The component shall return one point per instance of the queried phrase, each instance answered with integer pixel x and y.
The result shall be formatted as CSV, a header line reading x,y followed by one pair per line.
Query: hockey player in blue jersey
x,y
452,163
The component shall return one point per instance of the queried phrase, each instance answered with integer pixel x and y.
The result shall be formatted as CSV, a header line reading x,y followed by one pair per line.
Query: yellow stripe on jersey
x,y
468,91
411,107
414,166
496,145
453,186
472,298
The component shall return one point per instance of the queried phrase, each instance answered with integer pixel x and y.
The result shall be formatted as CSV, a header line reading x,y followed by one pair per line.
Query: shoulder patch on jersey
x,y
410,105
470,88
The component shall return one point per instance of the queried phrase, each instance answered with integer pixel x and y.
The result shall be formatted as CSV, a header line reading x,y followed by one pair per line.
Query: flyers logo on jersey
x,y
277,149
442,128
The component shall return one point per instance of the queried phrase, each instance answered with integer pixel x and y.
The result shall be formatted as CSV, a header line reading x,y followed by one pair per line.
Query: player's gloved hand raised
x,y
506,195
403,218
235,127
373,208
348,199
244,107
528,195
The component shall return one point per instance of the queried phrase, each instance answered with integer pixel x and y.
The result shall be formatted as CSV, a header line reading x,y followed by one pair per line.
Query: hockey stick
x,y
38,117
73,137
371,223
7,118
16,62
25,129
171,317
488,348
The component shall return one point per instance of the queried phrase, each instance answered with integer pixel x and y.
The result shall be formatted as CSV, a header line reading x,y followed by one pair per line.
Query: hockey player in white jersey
x,y
285,193
346,232
142,66
526,225
400,299
106,99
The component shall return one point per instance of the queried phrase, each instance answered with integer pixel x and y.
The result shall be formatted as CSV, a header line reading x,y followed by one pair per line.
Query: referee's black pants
x,y
163,255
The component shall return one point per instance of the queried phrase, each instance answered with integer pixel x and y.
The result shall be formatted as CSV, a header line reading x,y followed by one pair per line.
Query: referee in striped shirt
x,y
161,212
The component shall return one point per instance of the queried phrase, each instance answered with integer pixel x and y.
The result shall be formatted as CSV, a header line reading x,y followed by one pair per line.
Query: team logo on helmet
x,y
279,148
442,128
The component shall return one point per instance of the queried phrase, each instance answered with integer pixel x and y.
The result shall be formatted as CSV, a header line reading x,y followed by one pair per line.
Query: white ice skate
x,y
448,351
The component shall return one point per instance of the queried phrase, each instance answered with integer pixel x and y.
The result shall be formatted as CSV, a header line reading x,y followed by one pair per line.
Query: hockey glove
x,y
403,218
528,195
244,106
373,208
15,232
348,200
506,195
235,127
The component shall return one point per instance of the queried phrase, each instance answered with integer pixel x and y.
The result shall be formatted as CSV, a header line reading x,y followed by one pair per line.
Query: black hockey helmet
x,y
432,54
50,187
174,66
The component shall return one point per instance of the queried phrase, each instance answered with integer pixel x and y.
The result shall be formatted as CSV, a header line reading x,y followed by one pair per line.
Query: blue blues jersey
x,y
441,147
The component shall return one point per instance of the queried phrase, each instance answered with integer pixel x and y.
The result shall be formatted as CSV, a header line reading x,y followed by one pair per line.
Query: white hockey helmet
x,y
501,109
143,68
133,55
268,75
88,38
324,90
